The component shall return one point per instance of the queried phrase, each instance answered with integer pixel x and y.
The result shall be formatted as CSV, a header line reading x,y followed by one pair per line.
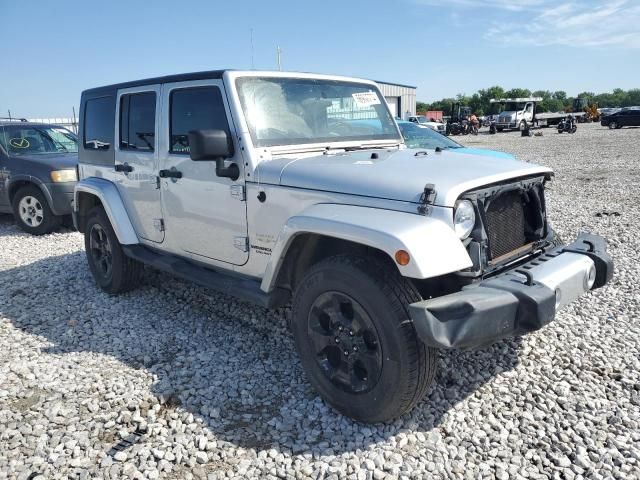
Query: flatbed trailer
x,y
520,114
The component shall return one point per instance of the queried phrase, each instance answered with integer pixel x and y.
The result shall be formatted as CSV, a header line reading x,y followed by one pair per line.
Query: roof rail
x,y
17,119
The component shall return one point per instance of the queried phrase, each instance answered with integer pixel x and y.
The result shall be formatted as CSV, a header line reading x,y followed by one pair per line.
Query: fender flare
x,y
432,244
35,181
112,203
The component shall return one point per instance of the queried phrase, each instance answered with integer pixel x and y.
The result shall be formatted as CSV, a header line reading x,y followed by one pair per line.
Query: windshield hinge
x,y
158,223
238,192
427,198
241,243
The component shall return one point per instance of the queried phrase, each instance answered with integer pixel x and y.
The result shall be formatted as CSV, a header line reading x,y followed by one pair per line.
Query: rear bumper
x,y
515,302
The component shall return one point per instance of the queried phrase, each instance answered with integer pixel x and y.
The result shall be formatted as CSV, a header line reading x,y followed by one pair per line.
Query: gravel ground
x,y
173,381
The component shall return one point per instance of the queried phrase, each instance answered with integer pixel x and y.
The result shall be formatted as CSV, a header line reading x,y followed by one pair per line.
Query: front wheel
x,y
112,270
32,211
356,343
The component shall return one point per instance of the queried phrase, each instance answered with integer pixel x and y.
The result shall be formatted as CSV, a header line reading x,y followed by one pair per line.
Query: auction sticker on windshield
x,y
19,143
366,99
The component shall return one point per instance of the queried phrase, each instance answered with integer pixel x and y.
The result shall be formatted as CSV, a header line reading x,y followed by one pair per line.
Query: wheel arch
x,y
328,229
19,181
92,192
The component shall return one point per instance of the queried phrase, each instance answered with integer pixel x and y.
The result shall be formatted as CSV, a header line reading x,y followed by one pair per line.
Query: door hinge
x,y
238,192
241,243
158,224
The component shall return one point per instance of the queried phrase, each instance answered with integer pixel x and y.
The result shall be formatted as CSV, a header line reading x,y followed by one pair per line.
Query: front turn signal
x,y
402,257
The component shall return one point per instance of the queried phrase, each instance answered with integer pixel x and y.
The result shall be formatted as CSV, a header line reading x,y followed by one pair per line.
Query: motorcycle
x,y
568,125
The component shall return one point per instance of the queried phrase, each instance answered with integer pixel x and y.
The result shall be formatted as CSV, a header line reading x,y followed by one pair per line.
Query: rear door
x,y
136,158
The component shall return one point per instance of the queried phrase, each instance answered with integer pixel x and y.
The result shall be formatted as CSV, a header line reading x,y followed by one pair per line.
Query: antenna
x,y
279,53
75,125
252,67
9,114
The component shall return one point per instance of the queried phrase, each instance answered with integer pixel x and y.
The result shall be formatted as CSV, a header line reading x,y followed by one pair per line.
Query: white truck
x,y
520,113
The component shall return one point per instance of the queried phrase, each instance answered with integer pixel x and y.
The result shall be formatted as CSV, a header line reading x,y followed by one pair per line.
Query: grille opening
x,y
514,219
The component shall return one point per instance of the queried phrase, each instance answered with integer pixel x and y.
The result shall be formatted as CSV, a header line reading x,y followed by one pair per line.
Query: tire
x,y
522,126
112,270
392,369
612,125
32,211
500,129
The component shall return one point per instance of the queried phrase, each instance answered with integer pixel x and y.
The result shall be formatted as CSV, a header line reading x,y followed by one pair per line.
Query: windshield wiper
x,y
362,147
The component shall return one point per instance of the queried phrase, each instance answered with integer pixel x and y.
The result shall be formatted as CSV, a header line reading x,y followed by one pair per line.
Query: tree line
x,y
552,101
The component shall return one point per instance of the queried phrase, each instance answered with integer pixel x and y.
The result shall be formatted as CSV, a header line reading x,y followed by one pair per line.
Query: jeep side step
x,y
242,288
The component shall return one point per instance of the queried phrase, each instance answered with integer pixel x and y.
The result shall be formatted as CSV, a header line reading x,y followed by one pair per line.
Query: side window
x,y
138,121
98,126
197,108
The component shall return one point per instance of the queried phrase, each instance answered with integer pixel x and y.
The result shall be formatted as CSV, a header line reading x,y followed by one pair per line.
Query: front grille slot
x,y
506,223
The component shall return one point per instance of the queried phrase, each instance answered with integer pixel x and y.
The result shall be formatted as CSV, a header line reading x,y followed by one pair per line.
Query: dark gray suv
x,y
37,173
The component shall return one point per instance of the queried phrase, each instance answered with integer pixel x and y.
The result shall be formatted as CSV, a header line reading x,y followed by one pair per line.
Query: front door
x,y
205,215
136,161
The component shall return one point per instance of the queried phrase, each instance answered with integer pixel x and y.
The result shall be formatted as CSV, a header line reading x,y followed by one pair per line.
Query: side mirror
x,y
205,145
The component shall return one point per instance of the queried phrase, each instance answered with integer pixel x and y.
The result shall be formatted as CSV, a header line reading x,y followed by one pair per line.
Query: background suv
x,y
623,118
37,173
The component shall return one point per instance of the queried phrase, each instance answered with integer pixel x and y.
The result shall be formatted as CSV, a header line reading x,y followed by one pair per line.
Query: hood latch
x,y
427,198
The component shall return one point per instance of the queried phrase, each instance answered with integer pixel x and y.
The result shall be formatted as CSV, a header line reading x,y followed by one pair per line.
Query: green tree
x,y
422,107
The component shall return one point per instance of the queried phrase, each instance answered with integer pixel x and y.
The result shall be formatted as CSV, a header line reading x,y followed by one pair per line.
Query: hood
x,y
57,161
395,174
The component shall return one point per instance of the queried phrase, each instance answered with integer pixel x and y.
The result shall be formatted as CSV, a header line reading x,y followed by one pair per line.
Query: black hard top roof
x,y
182,77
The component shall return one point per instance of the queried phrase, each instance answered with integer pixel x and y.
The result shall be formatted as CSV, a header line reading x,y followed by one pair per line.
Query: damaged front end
x,y
518,300
511,225
520,275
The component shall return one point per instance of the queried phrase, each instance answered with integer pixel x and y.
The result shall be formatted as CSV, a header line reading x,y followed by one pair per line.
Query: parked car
x,y
623,118
418,136
439,127
37,173
269,186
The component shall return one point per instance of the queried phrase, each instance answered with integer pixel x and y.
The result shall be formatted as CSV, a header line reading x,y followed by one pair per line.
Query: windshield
x,y
424,137
37,139
296,111
421,119
512,107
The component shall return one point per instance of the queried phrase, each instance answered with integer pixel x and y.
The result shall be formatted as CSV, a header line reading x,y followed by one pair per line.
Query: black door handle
x,y
170,173
123,167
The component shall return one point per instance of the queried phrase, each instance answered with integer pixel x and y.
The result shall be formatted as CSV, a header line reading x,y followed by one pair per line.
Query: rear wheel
x,y
112,270
356,343
32,212
613,125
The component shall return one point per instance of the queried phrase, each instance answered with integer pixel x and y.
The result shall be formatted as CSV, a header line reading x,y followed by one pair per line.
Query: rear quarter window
x,y
97,130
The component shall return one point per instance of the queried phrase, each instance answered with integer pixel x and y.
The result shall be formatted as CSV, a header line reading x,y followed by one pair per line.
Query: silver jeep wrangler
x,y
295,188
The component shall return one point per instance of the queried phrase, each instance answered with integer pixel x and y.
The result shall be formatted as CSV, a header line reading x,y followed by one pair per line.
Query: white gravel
x,y
173,381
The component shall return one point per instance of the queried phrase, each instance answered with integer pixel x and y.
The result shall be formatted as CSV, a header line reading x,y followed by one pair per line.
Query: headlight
x,y
59,176
464,218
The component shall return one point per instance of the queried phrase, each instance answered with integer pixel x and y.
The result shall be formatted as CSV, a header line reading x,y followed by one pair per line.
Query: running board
x,y
241,288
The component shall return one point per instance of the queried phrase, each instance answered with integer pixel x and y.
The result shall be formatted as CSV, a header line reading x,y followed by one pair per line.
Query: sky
x,y
52,50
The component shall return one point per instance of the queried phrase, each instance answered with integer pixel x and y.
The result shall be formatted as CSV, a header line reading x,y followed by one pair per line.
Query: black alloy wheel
x,y
100,250
346,343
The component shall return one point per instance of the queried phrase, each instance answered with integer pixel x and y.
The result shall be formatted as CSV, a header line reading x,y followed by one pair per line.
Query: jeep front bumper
x,y
515,302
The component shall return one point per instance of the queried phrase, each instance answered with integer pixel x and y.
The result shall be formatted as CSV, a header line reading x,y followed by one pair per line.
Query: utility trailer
x,y
520,113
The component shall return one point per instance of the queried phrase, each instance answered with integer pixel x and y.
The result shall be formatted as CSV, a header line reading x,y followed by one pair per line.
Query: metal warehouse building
x,y
401,98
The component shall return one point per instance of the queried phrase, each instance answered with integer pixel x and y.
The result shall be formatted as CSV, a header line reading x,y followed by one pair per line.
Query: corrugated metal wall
x,y
406,94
